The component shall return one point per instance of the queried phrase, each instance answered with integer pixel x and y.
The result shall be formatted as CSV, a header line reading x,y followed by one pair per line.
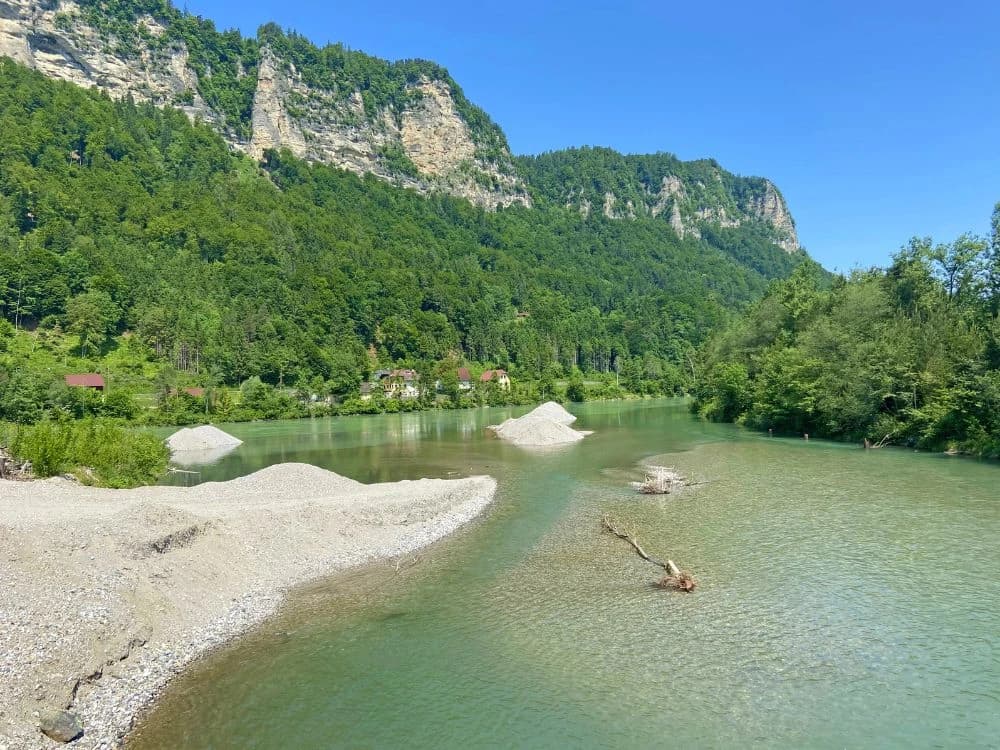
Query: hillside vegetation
x,y
136,243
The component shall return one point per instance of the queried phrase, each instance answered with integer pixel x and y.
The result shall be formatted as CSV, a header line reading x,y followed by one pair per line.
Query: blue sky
x,y
878,120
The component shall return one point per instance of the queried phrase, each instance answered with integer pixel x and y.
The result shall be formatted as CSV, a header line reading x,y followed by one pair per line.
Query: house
x,y
408,383
400,383
464,379
366,391
86,380
499,377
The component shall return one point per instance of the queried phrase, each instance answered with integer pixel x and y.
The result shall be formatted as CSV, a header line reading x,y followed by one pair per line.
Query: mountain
x,y
695,197
134,239
180,206
406,122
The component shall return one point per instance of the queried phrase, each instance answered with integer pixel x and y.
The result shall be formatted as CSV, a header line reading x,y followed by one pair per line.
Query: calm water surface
x,y
847,599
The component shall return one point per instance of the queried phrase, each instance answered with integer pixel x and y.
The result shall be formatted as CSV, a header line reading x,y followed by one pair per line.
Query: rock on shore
x,y
108,593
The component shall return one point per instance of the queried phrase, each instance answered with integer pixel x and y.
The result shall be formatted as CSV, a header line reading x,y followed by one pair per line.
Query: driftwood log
x,y
675,577
662,480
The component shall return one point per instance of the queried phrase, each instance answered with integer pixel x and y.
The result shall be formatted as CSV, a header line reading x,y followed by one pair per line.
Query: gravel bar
x,y
107,594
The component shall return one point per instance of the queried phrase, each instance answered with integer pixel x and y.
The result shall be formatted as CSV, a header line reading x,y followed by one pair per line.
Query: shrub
x,y
115,457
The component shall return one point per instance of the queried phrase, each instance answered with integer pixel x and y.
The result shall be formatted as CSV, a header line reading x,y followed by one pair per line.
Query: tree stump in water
x,y
675,578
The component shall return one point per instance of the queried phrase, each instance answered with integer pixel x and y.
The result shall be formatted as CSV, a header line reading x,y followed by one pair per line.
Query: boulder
x,y
60,725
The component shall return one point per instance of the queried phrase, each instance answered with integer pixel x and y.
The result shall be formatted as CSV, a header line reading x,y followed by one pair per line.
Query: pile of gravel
x,y
546,425
552,410
280,481
204,438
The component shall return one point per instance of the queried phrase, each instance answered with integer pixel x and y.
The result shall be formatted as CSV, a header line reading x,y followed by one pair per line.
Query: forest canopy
x,y
909,354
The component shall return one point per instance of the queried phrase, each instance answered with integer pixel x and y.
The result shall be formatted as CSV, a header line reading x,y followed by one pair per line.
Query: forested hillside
x,y
145,239
745,215
906,355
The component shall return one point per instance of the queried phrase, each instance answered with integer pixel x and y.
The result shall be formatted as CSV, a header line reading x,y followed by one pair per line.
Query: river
x,y
847,598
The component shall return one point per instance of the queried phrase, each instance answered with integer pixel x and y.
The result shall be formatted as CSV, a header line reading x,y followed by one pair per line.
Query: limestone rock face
x,y
329,126
272,126
718,198
770,207
435,138
49,37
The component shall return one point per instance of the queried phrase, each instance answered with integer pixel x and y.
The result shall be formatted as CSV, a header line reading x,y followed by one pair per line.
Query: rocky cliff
x,y
690,196
408,122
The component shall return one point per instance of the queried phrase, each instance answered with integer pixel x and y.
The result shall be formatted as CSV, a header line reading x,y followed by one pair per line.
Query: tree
x,y
992,275
91,316
576,390
960,264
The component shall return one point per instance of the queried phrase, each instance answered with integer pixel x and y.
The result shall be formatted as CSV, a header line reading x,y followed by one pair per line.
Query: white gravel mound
x,y
545,425
552,410
204,438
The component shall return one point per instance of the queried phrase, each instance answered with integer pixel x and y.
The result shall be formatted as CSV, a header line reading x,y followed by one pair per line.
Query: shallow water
x,y
847,598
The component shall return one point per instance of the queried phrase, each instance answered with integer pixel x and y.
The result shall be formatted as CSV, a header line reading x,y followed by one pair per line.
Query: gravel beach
x,y
106,594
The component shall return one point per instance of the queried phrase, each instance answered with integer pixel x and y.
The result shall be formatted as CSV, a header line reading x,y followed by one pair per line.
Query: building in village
x,y
86,380
401,384
464,379
497,377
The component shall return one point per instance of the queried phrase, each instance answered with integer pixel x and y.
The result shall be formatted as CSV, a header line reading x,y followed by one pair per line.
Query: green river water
x,y
847,598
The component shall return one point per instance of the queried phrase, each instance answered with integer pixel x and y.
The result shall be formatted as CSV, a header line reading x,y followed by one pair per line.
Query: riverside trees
x,y
909,354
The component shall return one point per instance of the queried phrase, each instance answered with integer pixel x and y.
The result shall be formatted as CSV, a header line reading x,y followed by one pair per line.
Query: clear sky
x,y
877,120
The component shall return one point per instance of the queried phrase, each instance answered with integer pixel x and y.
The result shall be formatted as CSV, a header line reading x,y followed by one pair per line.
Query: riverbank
x,y
108,594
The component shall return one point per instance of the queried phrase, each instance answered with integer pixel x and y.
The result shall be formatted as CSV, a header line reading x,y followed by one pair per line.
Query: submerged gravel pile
x,y
545,425
106,594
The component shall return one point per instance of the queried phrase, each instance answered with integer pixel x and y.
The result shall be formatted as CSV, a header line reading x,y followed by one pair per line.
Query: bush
x,y
115,457
576,391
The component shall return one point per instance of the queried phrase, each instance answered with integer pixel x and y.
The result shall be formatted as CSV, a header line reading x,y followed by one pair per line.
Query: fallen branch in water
x,y
885,440
659,481
675,578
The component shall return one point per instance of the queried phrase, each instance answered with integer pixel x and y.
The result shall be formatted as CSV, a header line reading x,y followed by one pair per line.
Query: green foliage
x,y
575,390
586,175
97,451
908,354
265,401
729,386
158,251
396,161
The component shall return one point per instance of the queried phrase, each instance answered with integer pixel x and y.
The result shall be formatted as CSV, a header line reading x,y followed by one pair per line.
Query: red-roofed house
x,y
496,376
86,380
464,379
